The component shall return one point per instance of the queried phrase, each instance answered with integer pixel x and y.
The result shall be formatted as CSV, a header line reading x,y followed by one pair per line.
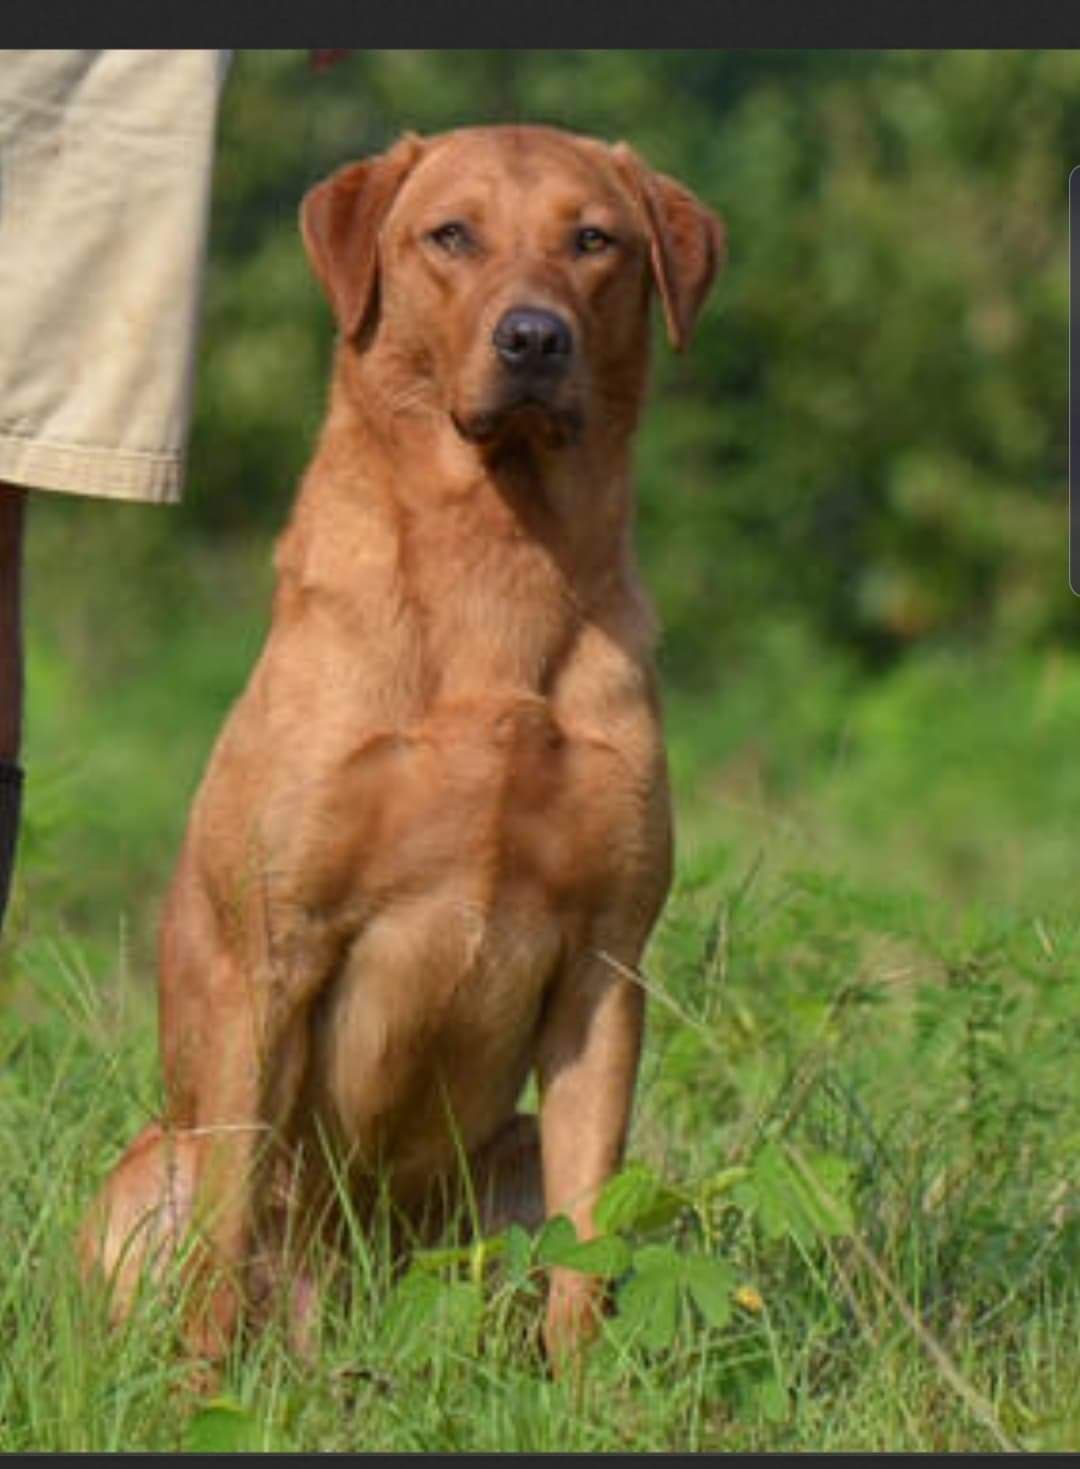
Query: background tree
x,y
868,441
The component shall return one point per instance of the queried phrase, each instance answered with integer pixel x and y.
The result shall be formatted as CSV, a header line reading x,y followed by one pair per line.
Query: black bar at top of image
x,y
1074,381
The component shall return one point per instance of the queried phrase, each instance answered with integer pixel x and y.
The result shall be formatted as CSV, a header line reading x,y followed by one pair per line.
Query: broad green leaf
x,y
636,1199
647,1303
710,1284
222,1427
648,1309
557,1236
605,1255
657,1260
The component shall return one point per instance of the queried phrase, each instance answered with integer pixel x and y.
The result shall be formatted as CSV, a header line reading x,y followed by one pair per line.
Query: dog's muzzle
x,y
533,350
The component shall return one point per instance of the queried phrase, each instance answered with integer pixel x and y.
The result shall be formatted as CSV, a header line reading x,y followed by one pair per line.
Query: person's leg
x,y
106,158
12,514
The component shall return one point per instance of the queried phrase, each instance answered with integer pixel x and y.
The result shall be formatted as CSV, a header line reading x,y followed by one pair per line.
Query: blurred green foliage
x,y
866,446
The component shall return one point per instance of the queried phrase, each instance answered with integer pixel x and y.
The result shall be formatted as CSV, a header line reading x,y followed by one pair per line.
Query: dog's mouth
x,y
526,416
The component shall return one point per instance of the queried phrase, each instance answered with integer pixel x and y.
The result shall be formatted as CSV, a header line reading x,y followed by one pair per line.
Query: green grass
x,y
850,1220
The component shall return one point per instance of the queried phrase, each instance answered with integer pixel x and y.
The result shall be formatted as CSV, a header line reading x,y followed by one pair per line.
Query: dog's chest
x,y
490,841
498,796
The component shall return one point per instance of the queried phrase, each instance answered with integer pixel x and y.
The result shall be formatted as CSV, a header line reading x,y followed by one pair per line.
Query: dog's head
x,y
506,273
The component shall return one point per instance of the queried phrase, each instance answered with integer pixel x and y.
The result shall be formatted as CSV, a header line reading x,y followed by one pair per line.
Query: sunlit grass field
x,y
849,1218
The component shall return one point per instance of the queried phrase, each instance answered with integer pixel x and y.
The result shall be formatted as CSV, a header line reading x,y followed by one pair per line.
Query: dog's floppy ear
x,y
688,242
339,222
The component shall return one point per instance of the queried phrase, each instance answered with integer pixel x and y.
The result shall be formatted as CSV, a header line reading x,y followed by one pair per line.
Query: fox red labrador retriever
x,y
434,833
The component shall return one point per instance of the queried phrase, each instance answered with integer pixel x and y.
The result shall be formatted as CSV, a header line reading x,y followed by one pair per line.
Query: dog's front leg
x,y
587,1064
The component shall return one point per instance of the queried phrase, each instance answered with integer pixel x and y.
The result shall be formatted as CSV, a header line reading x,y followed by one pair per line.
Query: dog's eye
x,y
591,241
453,237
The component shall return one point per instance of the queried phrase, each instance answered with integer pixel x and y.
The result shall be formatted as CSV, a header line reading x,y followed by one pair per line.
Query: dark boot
x,y
11,780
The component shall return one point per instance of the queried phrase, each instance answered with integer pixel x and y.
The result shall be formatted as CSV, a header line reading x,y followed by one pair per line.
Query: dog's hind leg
x,y
140,1216
234,1020
507,1179
248,1083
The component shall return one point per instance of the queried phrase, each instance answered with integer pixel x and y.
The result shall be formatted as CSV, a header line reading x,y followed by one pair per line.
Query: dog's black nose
x,y
529,338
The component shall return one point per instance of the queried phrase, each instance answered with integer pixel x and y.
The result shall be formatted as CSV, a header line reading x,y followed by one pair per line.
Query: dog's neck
x,y
511,547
